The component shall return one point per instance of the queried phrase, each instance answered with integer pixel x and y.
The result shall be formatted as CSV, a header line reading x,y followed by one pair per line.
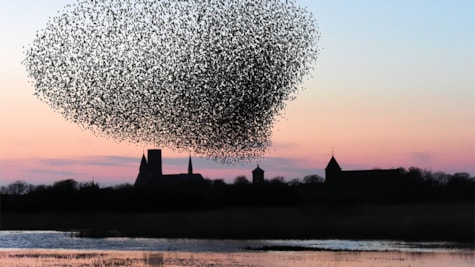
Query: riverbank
x,y
427,221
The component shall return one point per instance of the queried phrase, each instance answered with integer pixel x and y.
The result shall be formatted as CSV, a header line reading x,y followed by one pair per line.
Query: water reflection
x,y
66,240
49,248
36,258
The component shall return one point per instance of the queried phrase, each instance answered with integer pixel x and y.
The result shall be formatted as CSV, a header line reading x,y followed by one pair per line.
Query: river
x,y
51,248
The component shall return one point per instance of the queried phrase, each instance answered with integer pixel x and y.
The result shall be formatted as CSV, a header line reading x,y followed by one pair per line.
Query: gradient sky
x,y
394,86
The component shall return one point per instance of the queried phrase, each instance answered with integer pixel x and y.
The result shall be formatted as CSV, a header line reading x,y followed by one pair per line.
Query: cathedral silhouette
x,y
150,172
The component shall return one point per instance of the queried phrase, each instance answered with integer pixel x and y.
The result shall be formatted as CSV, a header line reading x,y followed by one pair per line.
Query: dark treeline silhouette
x,y
414,186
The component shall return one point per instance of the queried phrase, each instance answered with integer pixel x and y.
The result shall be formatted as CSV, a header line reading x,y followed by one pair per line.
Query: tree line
x,y
414,186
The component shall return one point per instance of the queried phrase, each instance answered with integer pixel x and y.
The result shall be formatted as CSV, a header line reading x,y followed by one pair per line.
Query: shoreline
x,y
416,222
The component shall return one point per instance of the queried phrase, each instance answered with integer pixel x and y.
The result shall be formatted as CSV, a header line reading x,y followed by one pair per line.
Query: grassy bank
x,y
429,221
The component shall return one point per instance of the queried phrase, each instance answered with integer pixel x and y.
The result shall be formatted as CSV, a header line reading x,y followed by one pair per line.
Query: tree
x,y
123,186
461,179
19,187
241,180
88,186
277,180
295,182
312,179
219,182
66,185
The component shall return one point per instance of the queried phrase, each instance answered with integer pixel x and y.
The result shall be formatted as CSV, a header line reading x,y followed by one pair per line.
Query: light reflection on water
x,y
49,248
66,240
37,258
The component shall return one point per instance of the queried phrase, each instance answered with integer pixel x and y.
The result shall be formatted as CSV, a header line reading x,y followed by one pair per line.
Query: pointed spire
x,y
143,163
333,165
190,166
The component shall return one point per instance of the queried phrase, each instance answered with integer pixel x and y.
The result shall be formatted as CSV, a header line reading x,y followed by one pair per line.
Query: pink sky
x,y
391,89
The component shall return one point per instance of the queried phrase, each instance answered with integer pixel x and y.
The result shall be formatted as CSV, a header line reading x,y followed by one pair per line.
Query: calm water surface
x,y
49,248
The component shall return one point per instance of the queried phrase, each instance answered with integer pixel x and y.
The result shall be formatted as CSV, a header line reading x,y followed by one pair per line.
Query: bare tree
x,y
295,182
277,180
312,179
19,187
66,185
241,180
219,182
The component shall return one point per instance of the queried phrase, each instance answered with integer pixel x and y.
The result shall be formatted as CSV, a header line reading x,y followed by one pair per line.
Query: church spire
x,y
143,164
190,166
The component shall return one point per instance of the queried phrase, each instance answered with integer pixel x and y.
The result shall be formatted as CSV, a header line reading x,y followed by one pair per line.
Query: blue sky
x,y
394,86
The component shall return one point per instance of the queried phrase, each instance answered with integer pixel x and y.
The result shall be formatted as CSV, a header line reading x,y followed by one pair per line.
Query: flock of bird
x,y
204,76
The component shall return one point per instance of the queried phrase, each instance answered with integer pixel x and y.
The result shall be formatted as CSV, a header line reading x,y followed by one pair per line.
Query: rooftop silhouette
x,y
336,176
150,172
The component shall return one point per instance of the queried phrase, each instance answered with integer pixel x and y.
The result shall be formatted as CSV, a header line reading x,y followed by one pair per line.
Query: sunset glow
x,y
393,87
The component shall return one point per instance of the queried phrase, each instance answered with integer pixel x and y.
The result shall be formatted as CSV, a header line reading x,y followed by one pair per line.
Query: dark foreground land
x,y
414,209
429,221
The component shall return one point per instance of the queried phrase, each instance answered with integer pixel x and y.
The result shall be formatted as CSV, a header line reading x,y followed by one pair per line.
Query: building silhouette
x,y
258,175
150,172
334,175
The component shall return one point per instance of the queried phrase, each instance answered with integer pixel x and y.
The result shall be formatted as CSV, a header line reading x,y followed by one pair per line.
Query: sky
x,y
394,86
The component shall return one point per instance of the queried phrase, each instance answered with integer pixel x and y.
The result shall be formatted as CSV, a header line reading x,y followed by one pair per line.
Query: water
x,y
50,248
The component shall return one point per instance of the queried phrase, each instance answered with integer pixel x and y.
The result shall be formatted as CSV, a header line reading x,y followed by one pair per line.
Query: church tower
x,y
155,162
332,171
258,175
150,172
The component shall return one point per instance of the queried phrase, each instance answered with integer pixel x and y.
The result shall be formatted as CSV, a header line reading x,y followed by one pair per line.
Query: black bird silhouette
x,y
202,76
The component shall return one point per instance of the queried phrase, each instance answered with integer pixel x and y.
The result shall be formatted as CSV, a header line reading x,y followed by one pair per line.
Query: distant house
x,y
150,172
258,175
334,175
